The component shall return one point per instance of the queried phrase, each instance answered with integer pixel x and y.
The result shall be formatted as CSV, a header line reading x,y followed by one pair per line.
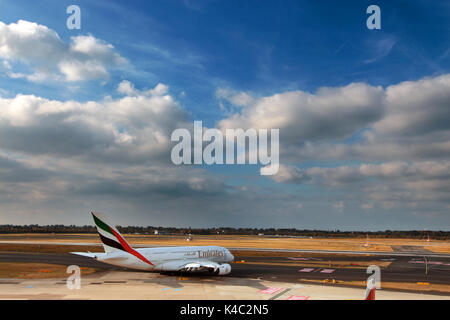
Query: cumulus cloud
x,y
127,88
240,99
391,184
14,171
397,140
42,50
140,181
129,129
350,174
403,121
330,113
69,156
417,108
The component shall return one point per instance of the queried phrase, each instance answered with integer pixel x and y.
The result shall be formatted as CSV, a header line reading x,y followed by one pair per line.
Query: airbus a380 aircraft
x,y
164,259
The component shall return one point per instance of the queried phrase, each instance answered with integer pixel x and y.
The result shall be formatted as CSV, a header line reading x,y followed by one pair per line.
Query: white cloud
x,y
240,99
108,153
391,184
330,113
127,88
416,108
84,58
406,122
400,142
105,147
133,128
341,175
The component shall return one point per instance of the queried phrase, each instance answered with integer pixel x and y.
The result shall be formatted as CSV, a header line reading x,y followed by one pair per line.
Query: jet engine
x,y
223,269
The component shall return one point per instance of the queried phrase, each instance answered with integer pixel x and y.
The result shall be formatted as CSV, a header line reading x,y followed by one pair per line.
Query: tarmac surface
x,y
288,270
400,269
294,273
124,285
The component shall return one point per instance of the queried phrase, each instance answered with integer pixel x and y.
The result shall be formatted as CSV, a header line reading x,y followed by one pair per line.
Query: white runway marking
x,y
298,298
270,290
327,271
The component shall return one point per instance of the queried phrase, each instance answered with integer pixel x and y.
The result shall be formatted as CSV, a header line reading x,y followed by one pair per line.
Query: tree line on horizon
x,y
151,230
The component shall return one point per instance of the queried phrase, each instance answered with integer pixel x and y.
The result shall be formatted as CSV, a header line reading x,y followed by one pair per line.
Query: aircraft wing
x,y
201,265
189,266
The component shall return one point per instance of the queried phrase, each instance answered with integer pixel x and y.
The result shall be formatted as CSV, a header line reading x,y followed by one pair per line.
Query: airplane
x,y
213,259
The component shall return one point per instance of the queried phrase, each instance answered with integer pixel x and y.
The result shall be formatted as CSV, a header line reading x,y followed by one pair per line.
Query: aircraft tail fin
x,y
111,238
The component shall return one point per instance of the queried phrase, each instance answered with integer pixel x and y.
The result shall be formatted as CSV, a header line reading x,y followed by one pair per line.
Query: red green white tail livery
x,y
112,239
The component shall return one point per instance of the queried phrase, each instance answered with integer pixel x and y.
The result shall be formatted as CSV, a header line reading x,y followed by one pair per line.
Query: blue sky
x,y
260,46
260,49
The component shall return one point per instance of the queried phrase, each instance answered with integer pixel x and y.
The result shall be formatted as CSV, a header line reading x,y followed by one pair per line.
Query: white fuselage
x,y
167,258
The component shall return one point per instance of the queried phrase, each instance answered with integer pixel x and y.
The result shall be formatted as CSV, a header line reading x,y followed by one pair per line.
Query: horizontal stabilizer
x,y
86,254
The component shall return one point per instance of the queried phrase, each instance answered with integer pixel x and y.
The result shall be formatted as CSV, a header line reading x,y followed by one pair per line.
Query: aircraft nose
x,y
230,256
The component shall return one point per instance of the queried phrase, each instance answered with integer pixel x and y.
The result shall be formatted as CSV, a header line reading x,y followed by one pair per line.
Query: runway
x,y
399,253
403,269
